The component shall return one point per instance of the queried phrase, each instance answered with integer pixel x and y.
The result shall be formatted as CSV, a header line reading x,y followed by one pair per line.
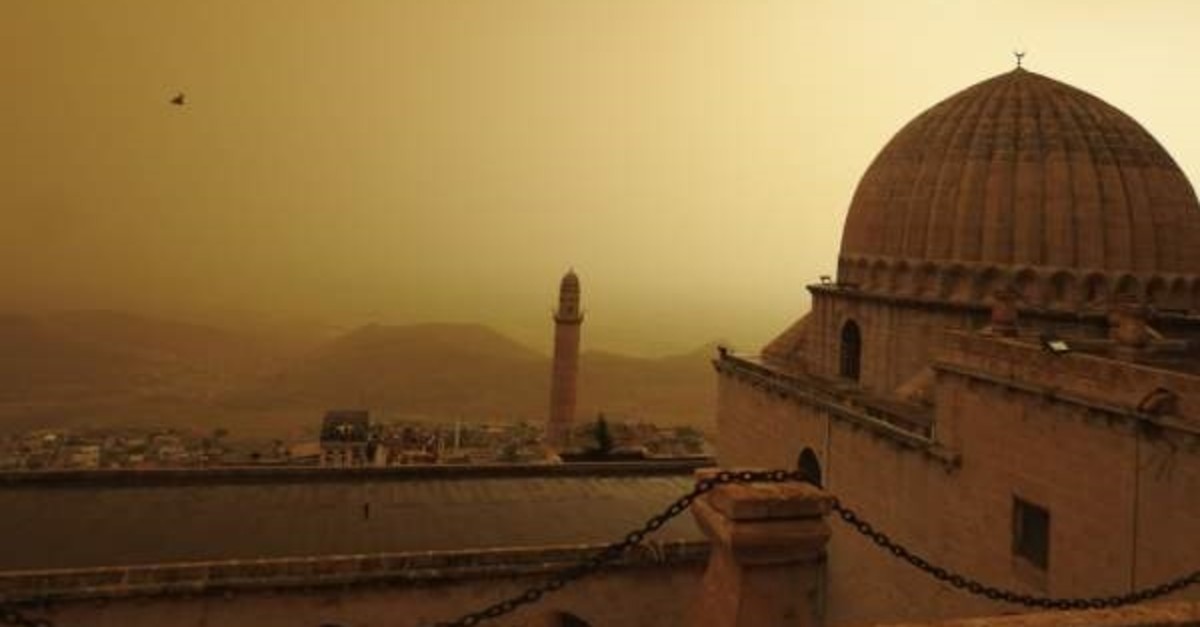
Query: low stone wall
x,y
313,474
417,568
651,585
1149,615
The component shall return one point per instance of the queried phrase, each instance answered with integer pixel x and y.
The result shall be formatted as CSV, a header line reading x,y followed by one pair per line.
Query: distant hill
x,y
100,367
439,370
471,371
679,389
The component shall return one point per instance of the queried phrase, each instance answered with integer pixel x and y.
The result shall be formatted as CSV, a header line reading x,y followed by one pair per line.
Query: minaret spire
x,y
568,319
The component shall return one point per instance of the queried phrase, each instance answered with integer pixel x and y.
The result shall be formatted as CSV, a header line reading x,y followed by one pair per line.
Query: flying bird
x,y
178,100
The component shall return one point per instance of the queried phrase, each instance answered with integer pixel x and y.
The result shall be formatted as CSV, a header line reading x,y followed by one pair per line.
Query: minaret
x,y
567,320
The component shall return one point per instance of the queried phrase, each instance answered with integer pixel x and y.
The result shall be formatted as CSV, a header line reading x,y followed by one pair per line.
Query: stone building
x,y
1004,377
346,438
1005,374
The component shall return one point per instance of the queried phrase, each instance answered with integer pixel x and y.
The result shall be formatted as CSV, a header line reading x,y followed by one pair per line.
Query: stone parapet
x,y
909,427
1179,614
401,569
313,474
1095,382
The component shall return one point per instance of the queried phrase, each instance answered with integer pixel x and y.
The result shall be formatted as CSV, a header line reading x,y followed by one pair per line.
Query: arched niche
x,y
985,284
1179,297
1129,288
1156,291
1029,286
810,467
1063,290
952,282
878,277
1095,289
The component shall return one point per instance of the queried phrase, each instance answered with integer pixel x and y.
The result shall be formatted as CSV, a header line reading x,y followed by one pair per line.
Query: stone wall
x,y
1121,498
897,336
652,587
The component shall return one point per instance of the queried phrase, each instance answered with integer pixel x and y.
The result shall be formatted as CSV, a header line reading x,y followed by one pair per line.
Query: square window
x,y
1031,533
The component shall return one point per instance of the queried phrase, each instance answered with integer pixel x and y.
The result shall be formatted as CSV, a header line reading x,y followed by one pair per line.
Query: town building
x,y
1005,372
346,438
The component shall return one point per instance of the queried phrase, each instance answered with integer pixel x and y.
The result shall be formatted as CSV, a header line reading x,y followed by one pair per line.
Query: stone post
x,y
768,546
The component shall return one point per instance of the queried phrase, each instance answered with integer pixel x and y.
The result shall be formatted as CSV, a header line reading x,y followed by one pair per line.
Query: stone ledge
x,y
1164,614
302,474
765,500
386,569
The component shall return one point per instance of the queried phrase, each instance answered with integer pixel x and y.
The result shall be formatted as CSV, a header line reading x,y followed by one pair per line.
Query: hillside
x,y
471,371
439,370
100,366
109,368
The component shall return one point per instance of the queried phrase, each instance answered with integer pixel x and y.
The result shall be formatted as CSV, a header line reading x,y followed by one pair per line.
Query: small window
x,y
851,351
1031,533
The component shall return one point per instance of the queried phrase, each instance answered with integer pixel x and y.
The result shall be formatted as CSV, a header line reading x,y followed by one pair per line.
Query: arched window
x,y
851,350
809,466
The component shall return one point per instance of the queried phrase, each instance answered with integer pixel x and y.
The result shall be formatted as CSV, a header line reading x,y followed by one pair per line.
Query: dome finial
x,y
1019,54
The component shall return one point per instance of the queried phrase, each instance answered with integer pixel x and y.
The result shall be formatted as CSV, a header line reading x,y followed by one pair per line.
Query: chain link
x,y
999,594
616,549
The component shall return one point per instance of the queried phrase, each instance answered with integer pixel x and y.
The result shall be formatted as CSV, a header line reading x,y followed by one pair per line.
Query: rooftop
x,y
83,519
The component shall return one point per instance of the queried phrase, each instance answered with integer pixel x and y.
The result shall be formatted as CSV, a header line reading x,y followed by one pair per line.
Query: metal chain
x,y
11,615
614,550
999,594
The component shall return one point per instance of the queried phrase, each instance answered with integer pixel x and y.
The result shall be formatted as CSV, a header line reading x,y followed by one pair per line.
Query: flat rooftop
x,y
118,518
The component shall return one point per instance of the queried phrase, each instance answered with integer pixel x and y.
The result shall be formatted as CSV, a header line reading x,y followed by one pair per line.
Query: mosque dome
x,y
1023,180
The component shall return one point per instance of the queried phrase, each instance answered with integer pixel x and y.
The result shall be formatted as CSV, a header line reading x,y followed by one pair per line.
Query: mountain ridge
x,y
109,367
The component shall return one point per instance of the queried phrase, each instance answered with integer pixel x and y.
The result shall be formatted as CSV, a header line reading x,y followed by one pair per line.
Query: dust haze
x,y
403,161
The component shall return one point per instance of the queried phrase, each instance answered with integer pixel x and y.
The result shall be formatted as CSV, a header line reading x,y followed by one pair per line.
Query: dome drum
x,y
1055,288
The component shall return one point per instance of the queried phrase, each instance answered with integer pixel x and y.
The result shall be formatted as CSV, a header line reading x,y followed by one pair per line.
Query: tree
x,y
600,432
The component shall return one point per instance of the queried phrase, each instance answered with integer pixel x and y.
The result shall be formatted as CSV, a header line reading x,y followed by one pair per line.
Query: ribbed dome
x,y
1022,170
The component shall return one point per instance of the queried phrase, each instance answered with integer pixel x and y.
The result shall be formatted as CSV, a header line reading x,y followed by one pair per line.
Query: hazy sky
x,y
408,160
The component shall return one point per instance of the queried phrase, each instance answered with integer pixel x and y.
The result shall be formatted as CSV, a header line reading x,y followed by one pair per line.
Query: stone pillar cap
x,y
766,500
